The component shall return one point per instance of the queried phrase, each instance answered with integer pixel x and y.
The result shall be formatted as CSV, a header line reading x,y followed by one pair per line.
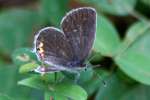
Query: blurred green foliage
x,y
122,35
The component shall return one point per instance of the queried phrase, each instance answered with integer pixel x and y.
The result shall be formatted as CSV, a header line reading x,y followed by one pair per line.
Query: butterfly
x,y
68,48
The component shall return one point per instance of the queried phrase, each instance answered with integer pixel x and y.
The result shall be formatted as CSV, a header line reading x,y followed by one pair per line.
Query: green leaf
x,y
41,82
54,96
34,82
23,56
68,90
86,75
107,39
139,92
95,82
126,91
2,62
5,97
133,56
8,85
125,77
16,26
95,57
54,10
71,91
115,7
28,67
109,92
147,2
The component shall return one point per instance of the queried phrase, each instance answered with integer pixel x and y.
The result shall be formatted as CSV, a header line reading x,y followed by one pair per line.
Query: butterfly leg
x,y
55,76
77,77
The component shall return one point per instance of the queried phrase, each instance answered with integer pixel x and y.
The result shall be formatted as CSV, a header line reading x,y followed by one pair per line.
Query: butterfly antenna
x,y
100,78
91,58
104,82
88,62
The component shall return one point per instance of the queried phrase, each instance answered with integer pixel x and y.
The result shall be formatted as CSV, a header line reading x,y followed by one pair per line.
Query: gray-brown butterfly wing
x,y
52,47
72,46
79,27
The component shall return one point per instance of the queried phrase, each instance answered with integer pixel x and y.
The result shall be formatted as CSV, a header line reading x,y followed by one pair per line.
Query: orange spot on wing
x,y
41,50
41,44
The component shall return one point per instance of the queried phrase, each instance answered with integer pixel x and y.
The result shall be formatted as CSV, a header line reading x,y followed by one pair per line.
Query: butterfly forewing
x,y
79,28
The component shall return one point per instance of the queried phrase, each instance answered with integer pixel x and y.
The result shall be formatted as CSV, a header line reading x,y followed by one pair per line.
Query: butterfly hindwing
x,y
52,47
